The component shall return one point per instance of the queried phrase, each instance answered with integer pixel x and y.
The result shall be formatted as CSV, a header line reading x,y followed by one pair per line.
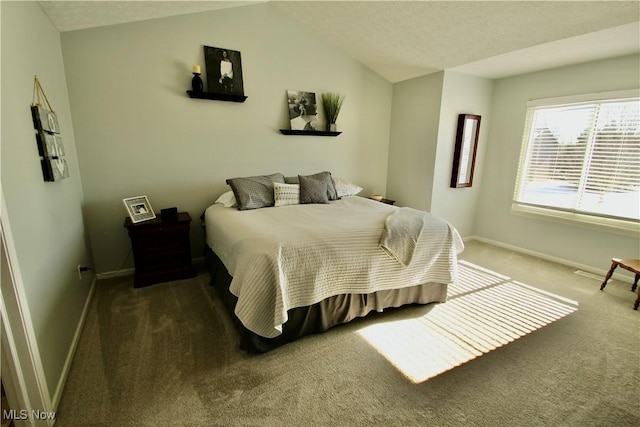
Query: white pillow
x,y
345,188
286,194
228,200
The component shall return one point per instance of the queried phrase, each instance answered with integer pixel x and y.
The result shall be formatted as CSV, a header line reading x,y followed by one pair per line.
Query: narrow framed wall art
x,y
50,146
464,156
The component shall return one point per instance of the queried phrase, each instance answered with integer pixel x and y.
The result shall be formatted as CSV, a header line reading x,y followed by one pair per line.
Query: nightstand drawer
x,y
154,244
161,249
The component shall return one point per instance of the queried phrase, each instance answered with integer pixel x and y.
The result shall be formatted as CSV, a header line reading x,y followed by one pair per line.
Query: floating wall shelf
x,y
308,132
216,96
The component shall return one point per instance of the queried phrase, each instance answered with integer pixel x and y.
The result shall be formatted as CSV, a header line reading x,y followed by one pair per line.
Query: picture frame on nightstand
x,y
139,208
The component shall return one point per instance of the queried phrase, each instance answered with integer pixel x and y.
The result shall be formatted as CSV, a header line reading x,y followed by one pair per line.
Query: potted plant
x,y
331,104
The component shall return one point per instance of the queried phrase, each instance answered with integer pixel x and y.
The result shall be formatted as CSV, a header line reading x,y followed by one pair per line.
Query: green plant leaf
x,y
331,104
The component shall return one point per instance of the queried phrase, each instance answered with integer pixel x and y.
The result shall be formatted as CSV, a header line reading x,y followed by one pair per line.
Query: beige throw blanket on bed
x,y
401,233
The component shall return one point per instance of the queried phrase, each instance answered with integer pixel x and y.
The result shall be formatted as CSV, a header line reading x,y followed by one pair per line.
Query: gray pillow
x,y
312,190
332,193
254,192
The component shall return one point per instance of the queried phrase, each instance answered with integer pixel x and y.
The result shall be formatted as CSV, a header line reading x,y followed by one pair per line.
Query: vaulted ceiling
x,y
405,39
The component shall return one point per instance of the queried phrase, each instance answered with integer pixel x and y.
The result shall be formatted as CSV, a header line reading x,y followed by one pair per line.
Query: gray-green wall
x,y
45,218
413,140
581,245
139,134
134,131
462,94
423,132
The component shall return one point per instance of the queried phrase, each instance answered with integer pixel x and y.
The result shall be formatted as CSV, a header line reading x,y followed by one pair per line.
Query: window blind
x,y
582,157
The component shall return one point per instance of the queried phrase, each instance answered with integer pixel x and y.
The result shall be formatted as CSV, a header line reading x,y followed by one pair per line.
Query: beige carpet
x,y
521,341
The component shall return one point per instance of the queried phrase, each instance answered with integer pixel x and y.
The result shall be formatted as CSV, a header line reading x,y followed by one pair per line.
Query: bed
x,y
287,271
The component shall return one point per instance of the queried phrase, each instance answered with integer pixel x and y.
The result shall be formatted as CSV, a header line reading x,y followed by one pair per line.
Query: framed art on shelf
x,y
303,110
224,71
139,208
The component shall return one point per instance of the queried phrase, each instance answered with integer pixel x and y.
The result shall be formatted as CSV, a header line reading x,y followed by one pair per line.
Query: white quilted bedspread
x,y
292,256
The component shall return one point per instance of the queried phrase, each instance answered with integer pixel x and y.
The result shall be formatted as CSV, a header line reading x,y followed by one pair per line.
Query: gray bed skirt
x,y
323,315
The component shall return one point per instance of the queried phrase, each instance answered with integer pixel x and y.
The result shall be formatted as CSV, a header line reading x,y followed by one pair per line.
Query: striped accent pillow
x,y
286,194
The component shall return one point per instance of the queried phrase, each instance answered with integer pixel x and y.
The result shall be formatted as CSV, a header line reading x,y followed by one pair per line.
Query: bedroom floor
x,y
168,355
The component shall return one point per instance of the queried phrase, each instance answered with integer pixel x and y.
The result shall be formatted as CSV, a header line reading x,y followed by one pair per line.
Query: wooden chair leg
x,y
635,283
609,274
637,303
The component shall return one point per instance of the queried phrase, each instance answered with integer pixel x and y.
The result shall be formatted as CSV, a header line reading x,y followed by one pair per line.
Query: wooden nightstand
x,y
161,249
387,201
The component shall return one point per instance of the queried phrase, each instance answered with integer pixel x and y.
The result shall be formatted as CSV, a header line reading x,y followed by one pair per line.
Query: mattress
x,y
298,255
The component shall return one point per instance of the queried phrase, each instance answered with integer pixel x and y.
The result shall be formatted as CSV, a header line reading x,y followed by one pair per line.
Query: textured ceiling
x,y
401,40
405,39
71,15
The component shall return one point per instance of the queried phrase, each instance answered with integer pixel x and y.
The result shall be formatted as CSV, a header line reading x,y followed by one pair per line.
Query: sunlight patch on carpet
x,y
485,310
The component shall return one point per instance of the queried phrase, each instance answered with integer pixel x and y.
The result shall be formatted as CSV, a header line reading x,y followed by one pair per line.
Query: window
x,y
580,159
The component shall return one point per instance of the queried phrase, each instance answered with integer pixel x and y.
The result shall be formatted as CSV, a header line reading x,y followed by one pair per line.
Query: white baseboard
x,y
588,268
55,401
117,273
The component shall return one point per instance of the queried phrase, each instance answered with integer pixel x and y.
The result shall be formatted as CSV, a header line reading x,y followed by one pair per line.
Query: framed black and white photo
x,y
303,110
224,71
139,208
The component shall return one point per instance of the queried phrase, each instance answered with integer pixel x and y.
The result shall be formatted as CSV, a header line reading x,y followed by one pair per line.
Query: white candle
x,y
196,69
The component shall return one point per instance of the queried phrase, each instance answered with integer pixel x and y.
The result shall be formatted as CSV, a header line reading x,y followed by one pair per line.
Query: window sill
x,y
609,225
